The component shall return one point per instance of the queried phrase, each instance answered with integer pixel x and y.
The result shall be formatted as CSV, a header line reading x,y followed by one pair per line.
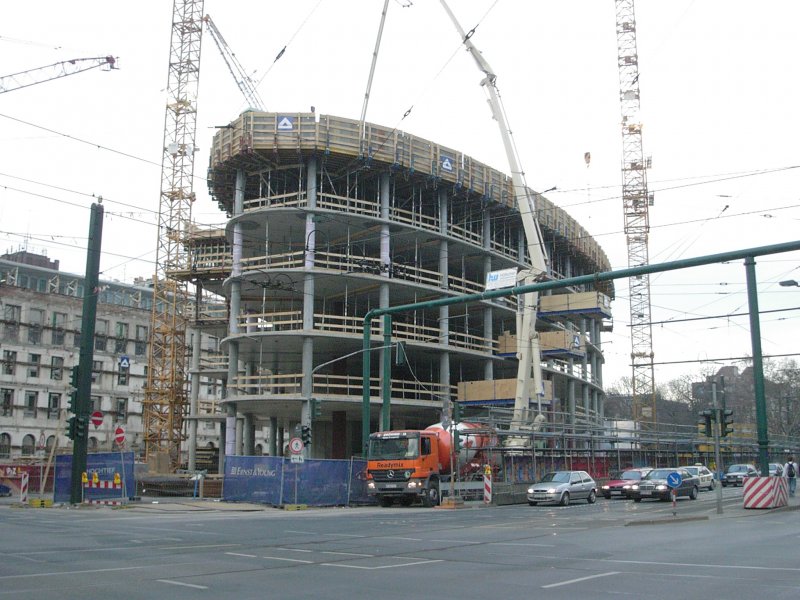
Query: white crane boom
x,y
23,79
243,80
527,341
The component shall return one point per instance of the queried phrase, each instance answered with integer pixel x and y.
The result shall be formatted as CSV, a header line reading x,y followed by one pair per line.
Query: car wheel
x,y
565,499
592,497
713,485
431,497
693,493
724,484
532,503
385,501
637,499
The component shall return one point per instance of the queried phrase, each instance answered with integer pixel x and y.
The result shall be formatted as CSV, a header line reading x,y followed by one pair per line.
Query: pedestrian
x,y
790,471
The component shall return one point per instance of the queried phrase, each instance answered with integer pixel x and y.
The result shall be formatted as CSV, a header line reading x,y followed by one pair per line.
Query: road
x,y
192,549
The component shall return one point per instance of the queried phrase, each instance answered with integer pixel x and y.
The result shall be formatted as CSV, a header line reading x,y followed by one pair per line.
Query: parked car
x,y
620,482
5,490
563,486
736,473
776,469
654,485
704,476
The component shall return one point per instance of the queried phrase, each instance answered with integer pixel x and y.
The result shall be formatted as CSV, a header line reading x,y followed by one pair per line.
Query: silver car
x,y
561,487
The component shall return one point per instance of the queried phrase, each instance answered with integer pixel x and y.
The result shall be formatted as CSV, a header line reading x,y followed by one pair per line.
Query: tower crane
x,y
527,340
243,80
23,79
636,201
166,390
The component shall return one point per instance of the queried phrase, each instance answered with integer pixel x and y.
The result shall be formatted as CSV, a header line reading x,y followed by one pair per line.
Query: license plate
x,y
391,485
646,493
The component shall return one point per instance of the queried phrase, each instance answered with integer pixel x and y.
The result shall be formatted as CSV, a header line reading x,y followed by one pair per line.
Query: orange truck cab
x,y
407,465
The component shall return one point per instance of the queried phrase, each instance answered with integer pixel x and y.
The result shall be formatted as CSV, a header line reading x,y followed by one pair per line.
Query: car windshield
x,y
633,475
556,477
692,470
393,448
659,473
737,469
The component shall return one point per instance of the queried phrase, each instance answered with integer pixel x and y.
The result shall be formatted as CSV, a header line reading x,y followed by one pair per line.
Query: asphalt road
x,y
194,549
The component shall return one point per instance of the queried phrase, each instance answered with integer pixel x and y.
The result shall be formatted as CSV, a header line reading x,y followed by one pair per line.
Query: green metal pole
x,y
758,367
386,384
366,367
88,318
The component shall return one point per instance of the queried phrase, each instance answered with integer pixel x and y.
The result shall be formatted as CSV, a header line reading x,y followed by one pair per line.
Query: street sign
x,y
296,445
124,362
297,458
119,435
504,278
97,419
674,479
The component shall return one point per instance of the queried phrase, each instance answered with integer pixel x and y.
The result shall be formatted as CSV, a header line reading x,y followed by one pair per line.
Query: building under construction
x,y
326,221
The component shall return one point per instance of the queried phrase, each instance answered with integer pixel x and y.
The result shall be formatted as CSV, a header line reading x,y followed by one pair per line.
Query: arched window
x,y
28,445
5,445
49,443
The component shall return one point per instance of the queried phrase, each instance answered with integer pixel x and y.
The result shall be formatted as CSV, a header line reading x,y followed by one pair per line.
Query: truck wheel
x,y
406,501
385,501
431,497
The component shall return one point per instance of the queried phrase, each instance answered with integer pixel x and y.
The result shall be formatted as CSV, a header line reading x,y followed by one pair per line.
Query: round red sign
x,y
119,436
97,418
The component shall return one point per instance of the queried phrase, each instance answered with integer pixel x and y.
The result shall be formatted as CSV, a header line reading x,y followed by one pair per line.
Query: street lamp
x,y
789,283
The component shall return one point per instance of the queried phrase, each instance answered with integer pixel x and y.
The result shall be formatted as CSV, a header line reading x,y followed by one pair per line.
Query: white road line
x,y
343,566
293,550
391,537
347,554
82,572
521,544
456,542
675,564
308,562
191,585
579,579
245,555
193,547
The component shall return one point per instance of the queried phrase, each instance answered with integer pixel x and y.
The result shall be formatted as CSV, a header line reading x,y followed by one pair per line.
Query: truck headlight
x,y
414,484
371,485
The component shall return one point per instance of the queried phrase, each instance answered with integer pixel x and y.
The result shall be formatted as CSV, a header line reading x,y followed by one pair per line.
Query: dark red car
x,y
621,481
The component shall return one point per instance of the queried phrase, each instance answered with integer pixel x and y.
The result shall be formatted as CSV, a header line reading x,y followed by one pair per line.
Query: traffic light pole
x,y
79,430
758,366
715,427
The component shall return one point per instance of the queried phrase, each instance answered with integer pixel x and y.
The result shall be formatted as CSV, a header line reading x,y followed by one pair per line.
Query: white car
x,y
705,477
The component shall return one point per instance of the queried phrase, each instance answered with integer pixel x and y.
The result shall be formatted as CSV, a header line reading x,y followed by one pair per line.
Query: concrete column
x,y
249,434
571,394
273,436
488,312
444,311
194,400
233,323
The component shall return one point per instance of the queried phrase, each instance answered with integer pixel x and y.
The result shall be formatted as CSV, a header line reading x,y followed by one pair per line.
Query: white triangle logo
x,y
446,164
285,123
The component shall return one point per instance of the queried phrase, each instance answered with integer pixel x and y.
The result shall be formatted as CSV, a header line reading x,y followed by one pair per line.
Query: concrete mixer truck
x,y
406,465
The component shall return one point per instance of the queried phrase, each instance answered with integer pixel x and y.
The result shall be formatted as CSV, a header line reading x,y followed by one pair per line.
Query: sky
x,y
719,109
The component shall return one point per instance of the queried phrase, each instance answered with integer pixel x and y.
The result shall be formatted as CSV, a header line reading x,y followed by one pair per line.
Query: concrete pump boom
x,y
527,340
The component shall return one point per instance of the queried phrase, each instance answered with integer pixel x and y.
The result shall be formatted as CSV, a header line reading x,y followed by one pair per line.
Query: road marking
x,y
674,564
293,549
193,547
456,542
347,553
82,572
579,579
343,566
191,585
391,537
289,559
245,555
521,544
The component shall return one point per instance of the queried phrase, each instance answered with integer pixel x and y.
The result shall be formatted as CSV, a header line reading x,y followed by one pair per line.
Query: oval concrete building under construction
x,y
327,220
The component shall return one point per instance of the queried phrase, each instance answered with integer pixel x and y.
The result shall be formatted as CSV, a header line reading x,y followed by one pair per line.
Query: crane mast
x,y
165,394
23,79
243,80
636,201
527,340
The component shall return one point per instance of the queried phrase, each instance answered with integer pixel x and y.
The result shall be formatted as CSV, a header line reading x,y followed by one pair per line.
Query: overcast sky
x,y
719,93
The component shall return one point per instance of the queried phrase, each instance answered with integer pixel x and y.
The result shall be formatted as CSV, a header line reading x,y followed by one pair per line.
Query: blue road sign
x,y
674,479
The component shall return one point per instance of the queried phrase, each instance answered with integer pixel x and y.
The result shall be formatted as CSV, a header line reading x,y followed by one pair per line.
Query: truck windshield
x,y
393,448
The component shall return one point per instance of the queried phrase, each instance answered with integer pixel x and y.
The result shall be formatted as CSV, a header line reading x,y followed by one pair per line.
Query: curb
x,y
666,521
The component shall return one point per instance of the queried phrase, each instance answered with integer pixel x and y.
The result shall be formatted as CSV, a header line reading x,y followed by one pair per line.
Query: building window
x,y
57,368
96,402
28,445
5,445
59,323
6,402
101,335
123,376
34,361
121,341
53,405
9,362
11,317
141,340
122,410
76,336
35,322
30,403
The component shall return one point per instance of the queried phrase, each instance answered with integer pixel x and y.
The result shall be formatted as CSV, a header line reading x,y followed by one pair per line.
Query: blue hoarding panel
x,y
105,464
253,479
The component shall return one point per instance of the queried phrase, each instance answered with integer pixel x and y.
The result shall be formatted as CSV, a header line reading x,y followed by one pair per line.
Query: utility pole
x,y
79,424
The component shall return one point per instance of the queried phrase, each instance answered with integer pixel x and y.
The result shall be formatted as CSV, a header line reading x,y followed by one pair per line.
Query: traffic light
x,y
76,427
706,416
73,392
71,427
456,440
316,408
726,423
305,435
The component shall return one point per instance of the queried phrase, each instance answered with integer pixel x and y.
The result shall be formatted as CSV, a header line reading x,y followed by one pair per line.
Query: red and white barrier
x,y
95,483
23,488
487,485
766,492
